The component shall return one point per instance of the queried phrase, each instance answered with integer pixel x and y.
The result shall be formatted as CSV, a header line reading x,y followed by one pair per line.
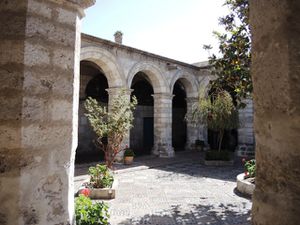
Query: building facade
x,y
166,90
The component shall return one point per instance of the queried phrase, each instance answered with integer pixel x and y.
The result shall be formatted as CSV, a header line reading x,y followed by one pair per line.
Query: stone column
x,y
276,80
39,86
245,131
192,130
163,125
114,93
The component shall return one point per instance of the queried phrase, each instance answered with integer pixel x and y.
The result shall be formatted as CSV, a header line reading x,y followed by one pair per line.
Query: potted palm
x,y
128,155
218,113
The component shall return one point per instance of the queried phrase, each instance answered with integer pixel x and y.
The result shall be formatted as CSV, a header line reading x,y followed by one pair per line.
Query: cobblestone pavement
x,y
183,193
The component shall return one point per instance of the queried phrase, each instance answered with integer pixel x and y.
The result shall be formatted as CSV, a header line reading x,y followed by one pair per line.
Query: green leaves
x,y
250,168
101,177
233,67
217,112
111,125
87,213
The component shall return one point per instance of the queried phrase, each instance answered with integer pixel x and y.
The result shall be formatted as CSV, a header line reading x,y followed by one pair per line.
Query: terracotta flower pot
x,y
128,160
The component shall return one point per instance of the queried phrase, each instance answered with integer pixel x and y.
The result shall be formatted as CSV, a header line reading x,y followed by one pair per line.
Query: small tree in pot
x,y
111,126
217,112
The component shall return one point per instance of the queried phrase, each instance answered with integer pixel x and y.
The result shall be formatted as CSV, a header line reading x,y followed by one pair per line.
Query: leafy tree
x,y
233,67
111,126
217,112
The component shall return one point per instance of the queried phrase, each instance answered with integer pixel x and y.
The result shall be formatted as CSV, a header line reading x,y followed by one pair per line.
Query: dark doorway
x,y
92,84
148,134
179,108
141,135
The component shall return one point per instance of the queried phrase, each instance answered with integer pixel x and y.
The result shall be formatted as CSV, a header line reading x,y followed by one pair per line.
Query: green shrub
x,y
128,152
217,155
250,168
87,213
101,176
216,111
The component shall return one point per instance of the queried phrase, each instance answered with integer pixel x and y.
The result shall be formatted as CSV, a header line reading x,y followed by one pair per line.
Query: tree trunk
x,y
221,134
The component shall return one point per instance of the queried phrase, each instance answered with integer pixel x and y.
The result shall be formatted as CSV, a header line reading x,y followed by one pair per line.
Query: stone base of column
x,y
163,151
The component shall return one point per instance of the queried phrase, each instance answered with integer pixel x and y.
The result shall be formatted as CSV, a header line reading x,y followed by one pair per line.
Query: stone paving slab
x,y
185,192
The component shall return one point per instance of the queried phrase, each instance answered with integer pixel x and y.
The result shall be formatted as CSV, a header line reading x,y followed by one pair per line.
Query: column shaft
x,y
163,125
39,61
193,131
276,81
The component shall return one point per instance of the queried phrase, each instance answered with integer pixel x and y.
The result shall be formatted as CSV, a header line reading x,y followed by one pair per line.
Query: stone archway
x,y
142,133
153,73
162,106
187,130
93,83
107,62
189,81
179,110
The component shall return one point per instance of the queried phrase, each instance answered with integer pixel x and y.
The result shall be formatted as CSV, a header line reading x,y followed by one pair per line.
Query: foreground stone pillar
x,y
114,93
276,76
39,77
192,131
163,125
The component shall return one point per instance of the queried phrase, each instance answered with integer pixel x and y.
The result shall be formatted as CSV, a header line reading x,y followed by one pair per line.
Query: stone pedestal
x,y
163,125
276,81
39,85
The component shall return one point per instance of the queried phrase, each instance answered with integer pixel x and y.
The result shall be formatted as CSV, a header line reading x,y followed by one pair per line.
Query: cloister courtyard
x,y
175,191
42,123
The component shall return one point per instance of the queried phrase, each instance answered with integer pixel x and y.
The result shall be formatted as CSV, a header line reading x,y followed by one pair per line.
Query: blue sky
x,y
173,28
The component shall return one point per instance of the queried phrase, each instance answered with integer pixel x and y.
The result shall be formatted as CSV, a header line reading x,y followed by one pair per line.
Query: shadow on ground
x,y
196,214
188,163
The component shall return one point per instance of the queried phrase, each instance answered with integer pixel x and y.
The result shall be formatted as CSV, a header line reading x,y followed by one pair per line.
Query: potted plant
x,y
246,180
101,183
88,212
199,145
128,155
100,176
218,113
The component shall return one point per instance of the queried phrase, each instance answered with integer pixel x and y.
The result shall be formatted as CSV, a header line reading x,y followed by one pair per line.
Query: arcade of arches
x,y
166,90
39,66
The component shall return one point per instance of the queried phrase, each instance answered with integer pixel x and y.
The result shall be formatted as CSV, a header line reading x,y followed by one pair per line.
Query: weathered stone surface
x,y
163,125
243,185
193,131
276,76
39,54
